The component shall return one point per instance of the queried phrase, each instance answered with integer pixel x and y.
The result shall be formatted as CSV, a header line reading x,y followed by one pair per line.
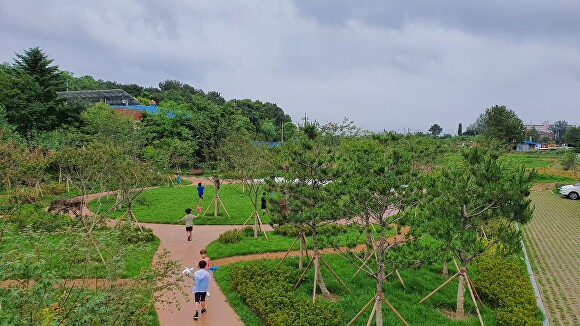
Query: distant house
x,y
527,146
118,99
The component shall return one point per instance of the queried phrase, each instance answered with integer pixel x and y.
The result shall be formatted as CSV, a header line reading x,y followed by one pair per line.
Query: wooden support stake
x,y
455,263
440,287
395,311
261,226
475,292
248,219
223,206
473,299
208,206
400,278
362,310
377,302
289,249
304,273
334,274
364,263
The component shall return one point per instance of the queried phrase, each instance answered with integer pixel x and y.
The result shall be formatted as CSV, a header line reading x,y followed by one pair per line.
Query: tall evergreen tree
x,y
460,130
35,63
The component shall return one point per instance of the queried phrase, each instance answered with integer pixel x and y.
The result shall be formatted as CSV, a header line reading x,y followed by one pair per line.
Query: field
x,y
167,204
552,238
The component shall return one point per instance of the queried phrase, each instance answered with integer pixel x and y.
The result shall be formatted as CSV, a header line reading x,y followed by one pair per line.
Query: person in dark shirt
x,y
263,203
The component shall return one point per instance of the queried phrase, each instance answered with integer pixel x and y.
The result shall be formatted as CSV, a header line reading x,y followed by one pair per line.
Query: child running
x,y
205,258
188,222
200,189
200,287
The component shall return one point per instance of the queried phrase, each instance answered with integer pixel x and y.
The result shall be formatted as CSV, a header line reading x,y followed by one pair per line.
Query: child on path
x,y
178,179
200,189
205,258
263,203
188,222
200,288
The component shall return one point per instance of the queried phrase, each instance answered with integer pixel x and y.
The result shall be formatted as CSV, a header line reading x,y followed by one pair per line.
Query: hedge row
x,y
505,286
267,290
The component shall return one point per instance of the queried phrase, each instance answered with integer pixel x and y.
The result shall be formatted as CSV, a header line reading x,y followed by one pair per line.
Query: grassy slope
x,y
276,243
418,283
167,204
53,247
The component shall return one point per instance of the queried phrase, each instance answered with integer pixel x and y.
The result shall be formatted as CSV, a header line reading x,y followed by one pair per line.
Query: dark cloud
x,y
384,64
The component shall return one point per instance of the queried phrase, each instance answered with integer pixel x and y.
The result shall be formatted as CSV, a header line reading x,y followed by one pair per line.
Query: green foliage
x,y
231,236
503,283
129,233
572,137
268,291
293,230
435,130
502,124
570,160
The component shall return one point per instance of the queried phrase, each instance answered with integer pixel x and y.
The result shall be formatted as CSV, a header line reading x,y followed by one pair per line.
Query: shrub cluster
x,y
231,236
328,229
130,233
505,285
267,290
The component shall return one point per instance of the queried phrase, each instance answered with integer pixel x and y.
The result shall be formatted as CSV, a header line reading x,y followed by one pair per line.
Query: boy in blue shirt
x,y
200,287
200,189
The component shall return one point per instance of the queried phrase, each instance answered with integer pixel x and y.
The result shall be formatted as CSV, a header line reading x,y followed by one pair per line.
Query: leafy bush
x,y
268,291
231,236
130,233
504,284
44,221
55,188
569,160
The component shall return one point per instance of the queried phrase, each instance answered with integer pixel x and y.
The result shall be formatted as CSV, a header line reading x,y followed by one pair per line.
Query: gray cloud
x,y
384,64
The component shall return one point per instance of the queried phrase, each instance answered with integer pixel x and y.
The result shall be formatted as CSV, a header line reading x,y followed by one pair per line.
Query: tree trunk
x,y
369,238
302,246
445,268
380,275
320,281
216,208
255,224
460,312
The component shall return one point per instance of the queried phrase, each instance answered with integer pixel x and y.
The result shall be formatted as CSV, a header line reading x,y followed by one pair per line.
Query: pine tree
x,y
460,130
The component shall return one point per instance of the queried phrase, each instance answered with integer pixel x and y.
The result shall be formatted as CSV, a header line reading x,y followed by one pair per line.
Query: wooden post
x,y
216,208
334,274
400,278
473,299
303,273
440,287
377,302
395,311
224,206
289,249
362,310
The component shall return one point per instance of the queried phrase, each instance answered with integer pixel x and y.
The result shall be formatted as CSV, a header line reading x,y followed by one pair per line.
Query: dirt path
x,y
174,239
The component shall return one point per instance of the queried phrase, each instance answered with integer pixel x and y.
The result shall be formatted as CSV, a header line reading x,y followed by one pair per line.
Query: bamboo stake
x,y
223,206
364,263
440,287
400,278
377,302
362,310
475,292
303,273
334,274
248,219
473,299
261,225
287,252
208,206
395,311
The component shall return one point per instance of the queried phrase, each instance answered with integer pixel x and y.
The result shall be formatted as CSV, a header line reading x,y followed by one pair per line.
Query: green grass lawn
x,y
275,243
418,282
65,253
167,205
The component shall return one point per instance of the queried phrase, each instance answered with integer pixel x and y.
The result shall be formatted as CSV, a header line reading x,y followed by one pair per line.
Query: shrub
x,y
504,284
55,188
231,236
267,290
130,233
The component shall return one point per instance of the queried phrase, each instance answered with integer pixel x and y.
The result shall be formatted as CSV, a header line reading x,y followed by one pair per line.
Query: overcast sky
x,y
384,64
